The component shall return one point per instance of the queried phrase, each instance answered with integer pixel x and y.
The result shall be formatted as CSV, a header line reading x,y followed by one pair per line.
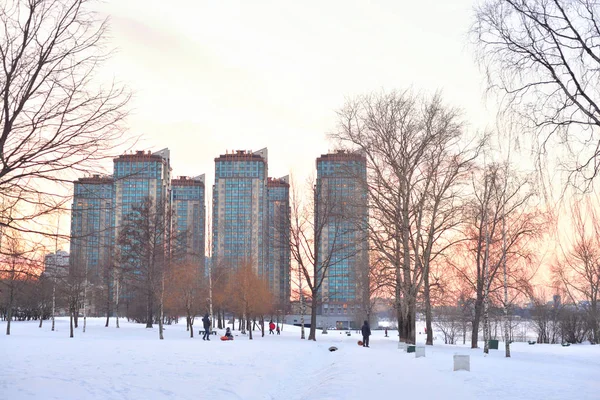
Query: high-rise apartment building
x,y
92,226
101,205
188,220
277,271
56,265
239,210
138,176
341,214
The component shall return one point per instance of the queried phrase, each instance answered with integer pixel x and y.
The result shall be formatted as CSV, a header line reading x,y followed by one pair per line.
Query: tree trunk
x,y
408,311
71,317
107,305
11,300
85,306
149,309
506,322
428,316
312,335
302,335
476,321
117,294
53,303
410,333
161,308
249,324
190,322
400,322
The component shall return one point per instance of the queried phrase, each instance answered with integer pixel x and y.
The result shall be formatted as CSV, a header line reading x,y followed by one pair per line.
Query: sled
x,y
226,338
360,343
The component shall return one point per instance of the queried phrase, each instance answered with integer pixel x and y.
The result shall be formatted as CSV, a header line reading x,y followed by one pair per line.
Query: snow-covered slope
x,y
131,363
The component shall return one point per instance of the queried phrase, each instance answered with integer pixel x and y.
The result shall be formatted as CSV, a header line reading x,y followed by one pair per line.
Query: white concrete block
x,y
419,351
462,362
402,346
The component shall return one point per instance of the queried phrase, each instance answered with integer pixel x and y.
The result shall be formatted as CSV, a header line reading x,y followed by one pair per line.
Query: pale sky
x,y
211,76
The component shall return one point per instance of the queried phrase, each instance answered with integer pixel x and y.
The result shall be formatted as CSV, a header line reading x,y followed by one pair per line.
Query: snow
x,y
131,363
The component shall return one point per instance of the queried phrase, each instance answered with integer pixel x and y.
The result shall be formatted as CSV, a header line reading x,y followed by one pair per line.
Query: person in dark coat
x,y
228,334
206,322
366,332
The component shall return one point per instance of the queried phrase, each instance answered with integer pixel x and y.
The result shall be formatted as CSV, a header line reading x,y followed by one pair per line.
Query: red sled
x,y
360,343
226,338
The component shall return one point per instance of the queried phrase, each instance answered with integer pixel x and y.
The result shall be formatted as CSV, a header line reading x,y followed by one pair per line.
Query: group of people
x,y
365,329
272,327
206,323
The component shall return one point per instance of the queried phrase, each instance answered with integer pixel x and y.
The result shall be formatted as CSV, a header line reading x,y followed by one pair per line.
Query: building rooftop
x,y
243,155
140,155
188,181
95,179
283,181
342,155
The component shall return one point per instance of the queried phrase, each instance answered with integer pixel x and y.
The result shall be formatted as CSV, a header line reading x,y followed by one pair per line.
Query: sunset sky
x,y
211,76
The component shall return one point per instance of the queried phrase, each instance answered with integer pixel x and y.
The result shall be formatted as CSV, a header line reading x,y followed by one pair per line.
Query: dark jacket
x,y
206,321
366,330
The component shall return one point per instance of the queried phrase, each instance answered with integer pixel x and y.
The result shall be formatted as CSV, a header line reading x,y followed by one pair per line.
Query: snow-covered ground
x,y
131,363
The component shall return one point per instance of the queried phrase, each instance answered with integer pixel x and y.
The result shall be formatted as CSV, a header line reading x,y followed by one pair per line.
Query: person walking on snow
x,y
206,322
271,328
366,332
278,330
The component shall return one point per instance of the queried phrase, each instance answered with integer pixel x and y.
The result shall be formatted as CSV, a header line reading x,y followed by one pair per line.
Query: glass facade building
x,y
188,221
92,226
138,176
278,230
100,205
239,210
341,215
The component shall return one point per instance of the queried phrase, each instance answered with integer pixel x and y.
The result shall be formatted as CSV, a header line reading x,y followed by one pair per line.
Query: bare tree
x,y
481,258
55,116
448,321
578,269
143,238
182,292
375,284
249,295
540,55
322,234
416,159
545,318
17,267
